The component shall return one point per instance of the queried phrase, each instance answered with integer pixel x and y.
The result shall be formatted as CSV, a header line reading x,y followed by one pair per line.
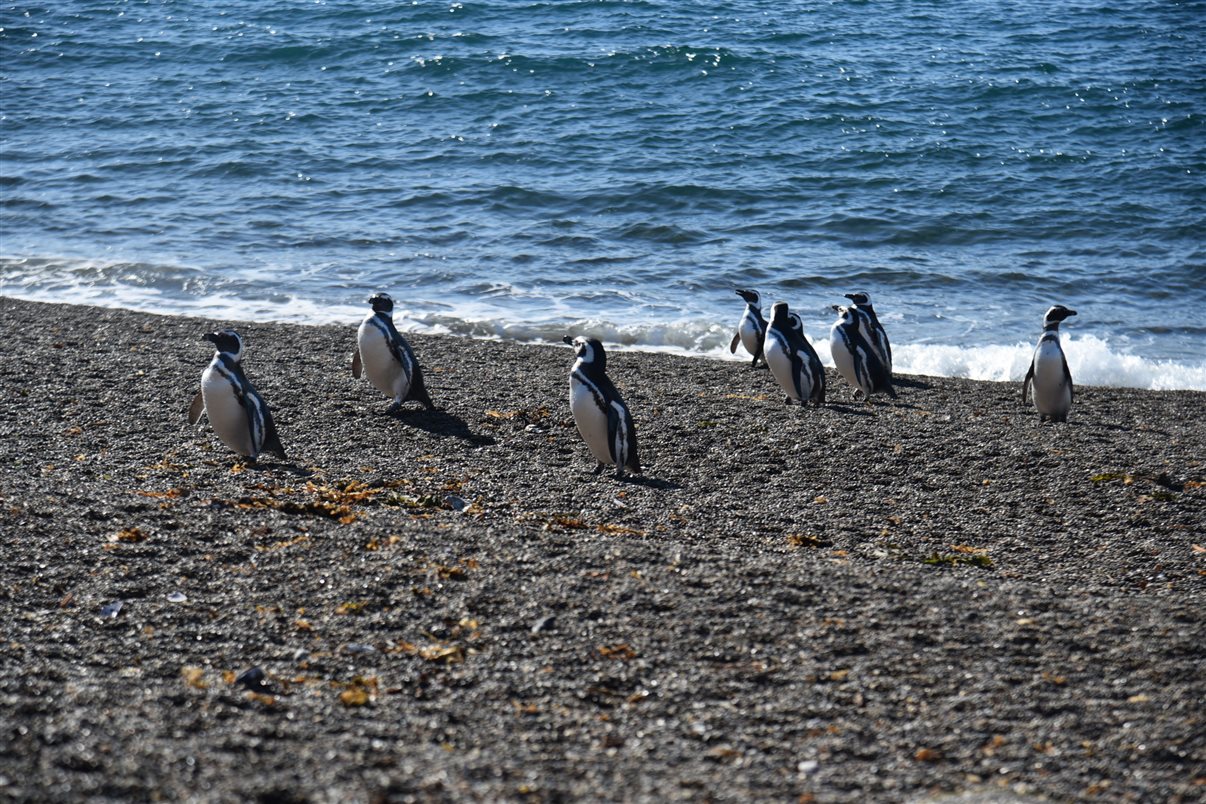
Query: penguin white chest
x,y
590,415
382,368
778,359
843,357
1052,391
227,416
750,332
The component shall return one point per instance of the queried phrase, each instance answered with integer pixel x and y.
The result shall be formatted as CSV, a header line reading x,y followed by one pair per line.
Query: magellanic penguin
x,y
791,358
599,411
387,358
237,412
871,328
854,357
1049,370
751,329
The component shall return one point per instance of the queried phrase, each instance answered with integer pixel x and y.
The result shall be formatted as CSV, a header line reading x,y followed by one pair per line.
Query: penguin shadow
x,y
442,423
849,408
274,467
909,382
651,482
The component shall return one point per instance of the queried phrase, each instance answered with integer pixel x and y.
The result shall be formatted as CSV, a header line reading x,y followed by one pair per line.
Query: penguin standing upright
x,y
386,357
237,412
855,359
791,358
599,411
1049,370
873,330
751,329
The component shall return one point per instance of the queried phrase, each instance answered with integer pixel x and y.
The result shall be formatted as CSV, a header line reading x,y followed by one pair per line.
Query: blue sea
x,y
525,168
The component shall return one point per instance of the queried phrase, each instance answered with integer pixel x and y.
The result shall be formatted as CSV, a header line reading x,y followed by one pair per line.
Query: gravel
x,y
937,598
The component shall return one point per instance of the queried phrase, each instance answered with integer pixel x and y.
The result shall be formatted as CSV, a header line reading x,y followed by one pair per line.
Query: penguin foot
x,y
393,409
599,467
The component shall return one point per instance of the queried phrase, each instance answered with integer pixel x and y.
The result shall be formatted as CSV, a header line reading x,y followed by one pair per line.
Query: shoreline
x,y
933,596
1095,362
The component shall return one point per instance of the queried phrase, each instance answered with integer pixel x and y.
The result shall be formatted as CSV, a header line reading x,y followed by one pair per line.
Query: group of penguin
x,y
858,343
857,340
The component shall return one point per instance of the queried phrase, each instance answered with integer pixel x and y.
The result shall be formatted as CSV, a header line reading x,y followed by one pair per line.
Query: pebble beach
x,y
931,598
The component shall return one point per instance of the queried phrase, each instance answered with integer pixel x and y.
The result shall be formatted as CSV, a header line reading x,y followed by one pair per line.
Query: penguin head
x,y
382,303
797,323
861,298
846,316
1056,314
226,341
589,350
751,297
780,315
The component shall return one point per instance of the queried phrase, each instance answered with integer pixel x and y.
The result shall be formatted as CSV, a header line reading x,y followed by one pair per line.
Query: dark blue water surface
x,y
518,168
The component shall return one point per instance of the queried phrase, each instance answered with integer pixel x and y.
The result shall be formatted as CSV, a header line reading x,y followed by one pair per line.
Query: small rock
x,y
253,679
110,610
177,597
808,766
544,624
358,647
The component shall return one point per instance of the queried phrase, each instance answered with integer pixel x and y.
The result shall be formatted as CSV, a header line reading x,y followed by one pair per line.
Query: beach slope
x,y
895,601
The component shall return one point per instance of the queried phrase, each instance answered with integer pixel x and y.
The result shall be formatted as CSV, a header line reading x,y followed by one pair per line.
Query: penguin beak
x,y
849,296
836,308
566,339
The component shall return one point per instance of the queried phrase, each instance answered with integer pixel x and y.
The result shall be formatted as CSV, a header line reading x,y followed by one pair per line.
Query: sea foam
x,y
177,290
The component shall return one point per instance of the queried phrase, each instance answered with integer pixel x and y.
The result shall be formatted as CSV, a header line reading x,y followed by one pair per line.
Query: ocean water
x,y
524,168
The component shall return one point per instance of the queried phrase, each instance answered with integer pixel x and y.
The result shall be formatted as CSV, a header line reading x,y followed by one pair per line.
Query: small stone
x,y
177,597
544,624
253,679
110,610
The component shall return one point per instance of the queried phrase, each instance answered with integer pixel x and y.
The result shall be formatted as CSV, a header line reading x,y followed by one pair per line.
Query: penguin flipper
x,y
621,436
797,376
736,340
272,441
1067,376
418,391
196,409
357,365
1026,382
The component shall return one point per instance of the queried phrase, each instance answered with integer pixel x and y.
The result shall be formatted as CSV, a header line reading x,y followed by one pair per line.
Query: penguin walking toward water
x,y
872,330
791,358
855,358
1049,370
751,329
237,412
385,356
599,411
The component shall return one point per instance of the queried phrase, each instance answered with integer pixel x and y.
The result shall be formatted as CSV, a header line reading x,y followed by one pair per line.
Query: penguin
x,y
383,354
854,357
872,330
751,329
236,410
599,411
1049,370
791,358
